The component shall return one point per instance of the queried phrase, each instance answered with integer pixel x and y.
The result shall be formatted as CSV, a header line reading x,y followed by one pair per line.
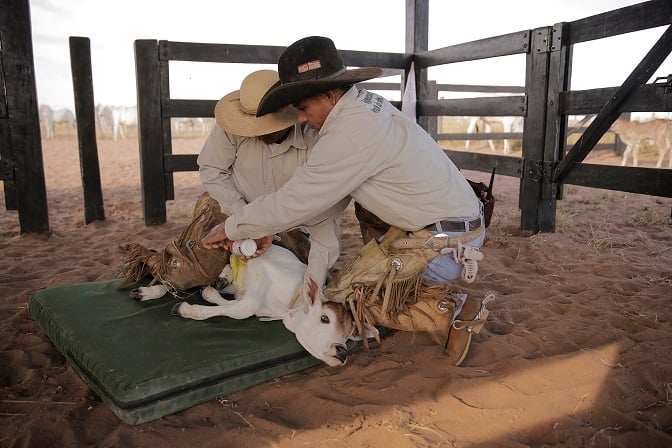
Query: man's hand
x,y
263,244
216,238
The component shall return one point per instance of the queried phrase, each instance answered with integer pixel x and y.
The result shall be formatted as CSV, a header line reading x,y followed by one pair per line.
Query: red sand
x,y
576,351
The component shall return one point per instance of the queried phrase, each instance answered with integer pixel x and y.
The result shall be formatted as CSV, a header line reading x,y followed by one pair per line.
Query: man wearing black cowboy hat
x,y
246,156
400,179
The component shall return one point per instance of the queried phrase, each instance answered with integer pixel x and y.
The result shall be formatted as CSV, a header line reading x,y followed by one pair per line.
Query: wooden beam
x,y
150,132
22,116
82,84
645,98
620,21
417,41
188,108
505,165
537,199
266,54
504,45
180,162
649,181
500,106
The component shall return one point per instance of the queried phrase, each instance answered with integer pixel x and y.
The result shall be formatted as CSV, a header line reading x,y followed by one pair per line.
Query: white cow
x,y
118,119
270,286
190,126
634,132
484,124
49,118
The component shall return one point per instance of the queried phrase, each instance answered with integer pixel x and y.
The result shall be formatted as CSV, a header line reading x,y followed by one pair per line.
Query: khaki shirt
x,y
370,151
235,170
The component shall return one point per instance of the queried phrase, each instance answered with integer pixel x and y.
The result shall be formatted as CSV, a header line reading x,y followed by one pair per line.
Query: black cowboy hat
x,y
307,67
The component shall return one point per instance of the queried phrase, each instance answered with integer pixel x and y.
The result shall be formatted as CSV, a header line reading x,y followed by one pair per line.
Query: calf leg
x,y
662,143
626,153
224,280
213,296
148,292
635,154
235,309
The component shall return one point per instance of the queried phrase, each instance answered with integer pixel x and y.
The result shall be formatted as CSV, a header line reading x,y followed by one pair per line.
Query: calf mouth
x,y
341,353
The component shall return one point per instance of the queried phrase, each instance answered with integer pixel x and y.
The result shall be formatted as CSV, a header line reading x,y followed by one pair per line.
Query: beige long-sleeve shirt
x,y
369,151
235,170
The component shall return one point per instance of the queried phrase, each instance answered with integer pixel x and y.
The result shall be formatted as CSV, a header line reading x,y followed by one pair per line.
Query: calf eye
x,y
324,319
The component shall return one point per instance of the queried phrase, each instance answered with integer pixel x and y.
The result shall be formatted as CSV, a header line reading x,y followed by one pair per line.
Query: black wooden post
x,y
164,75
559,70
85,110
150,131
23,125
417,41
6,166
432,123
536,201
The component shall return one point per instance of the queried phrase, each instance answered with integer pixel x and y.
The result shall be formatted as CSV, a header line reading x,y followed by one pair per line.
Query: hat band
x,y
305,76
248,111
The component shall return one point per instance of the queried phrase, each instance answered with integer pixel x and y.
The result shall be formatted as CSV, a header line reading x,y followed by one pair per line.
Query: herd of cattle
x,y
116,122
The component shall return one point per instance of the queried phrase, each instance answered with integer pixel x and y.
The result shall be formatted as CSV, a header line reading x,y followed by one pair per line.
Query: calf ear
x,y
311,291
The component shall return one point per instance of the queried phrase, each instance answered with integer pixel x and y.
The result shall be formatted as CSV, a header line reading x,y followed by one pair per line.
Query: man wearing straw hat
x,y
246,156
423,219
243,158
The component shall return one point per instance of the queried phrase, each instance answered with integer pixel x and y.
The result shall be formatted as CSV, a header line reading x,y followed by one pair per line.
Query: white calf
x,y
49,118
118,119
270,286
634,132
484,124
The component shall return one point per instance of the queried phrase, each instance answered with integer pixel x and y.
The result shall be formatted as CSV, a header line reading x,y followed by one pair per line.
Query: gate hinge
x,y
556,37
665,82
542,40
538,170
541,171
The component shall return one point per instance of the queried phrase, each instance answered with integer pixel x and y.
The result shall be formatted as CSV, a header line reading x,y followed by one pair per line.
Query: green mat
x,y
145,363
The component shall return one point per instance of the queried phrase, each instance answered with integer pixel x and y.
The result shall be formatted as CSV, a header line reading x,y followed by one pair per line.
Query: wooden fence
x,y
545,101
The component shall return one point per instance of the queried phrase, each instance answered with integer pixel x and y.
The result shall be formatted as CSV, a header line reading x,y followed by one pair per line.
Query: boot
x,y
450,321
469,320
432,316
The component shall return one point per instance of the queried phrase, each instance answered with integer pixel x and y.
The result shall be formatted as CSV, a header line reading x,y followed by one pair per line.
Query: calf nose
x,y
341,352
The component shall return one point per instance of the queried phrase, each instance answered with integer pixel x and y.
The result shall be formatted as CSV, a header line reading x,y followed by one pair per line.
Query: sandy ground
x,y
576,351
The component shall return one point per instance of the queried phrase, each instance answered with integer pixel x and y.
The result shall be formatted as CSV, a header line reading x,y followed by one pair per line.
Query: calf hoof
x,y
220,284
135,294
175,310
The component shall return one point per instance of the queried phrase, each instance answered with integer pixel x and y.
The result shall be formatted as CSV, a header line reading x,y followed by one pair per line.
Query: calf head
x,y
184,263
322,327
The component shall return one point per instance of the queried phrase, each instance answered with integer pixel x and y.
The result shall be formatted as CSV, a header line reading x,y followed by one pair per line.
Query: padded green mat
x,y
145,363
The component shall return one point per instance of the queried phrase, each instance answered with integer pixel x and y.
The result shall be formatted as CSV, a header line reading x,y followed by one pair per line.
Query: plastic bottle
x,y
243,248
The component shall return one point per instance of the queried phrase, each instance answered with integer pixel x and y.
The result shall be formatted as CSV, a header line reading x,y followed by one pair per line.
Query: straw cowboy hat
x,y
307,67
236,112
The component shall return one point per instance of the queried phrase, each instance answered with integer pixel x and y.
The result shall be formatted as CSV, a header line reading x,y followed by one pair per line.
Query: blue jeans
x,y
443,268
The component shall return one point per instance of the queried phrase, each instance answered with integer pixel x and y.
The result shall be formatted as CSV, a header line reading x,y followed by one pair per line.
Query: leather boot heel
x,y
471,320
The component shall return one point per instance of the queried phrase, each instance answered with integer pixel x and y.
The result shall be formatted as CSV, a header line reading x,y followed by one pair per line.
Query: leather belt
x,y
463,225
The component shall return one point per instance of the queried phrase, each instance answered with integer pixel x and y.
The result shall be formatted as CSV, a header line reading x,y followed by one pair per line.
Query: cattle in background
x,y
117,120
49,118
484,124
634,132
186,127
